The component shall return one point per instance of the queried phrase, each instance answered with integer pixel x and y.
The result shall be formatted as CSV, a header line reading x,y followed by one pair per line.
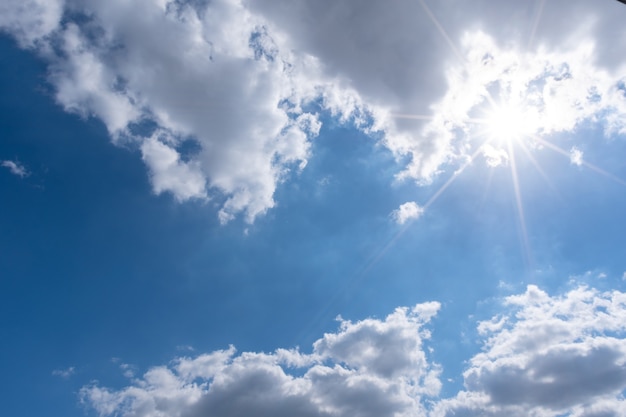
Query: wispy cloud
x,y
15,168
64,373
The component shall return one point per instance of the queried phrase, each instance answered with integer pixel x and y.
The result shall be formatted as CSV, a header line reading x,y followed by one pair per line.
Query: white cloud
x,y
542,356
554,91
236,77
169,173
64,373
15,168
367,368
550,356
576,156
30,20
407,211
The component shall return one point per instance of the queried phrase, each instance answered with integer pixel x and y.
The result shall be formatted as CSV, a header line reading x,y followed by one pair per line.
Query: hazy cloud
x,y
64,373
15,168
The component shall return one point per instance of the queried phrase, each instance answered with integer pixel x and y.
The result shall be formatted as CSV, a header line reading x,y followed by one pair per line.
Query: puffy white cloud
x,y
550,356
542,356
169,173
576,156
407,211
367,368
15,168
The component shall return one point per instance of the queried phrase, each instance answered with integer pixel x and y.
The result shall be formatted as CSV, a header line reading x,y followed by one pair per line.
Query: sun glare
x,y
507,123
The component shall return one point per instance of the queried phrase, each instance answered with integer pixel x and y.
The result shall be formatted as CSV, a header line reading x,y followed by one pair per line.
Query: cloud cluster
x,y
546,356
248,81
550,356
368,368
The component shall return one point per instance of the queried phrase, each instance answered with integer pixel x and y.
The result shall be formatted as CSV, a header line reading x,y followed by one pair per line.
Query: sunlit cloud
x,y
367,368
548,356
576,156
495,156
504,93
407,211
541,355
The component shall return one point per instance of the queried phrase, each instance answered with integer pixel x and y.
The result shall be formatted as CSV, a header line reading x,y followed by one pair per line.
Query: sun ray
x,y
538,17
538,167
442,31
520,208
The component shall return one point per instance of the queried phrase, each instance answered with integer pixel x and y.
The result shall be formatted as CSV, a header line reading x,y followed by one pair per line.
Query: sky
x,y
315,208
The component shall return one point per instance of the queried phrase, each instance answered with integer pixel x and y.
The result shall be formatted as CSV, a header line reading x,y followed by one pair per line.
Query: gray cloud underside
x,y
548,356
235,76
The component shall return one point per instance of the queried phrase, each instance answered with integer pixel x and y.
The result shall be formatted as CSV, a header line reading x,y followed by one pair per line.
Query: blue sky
x,y
312,208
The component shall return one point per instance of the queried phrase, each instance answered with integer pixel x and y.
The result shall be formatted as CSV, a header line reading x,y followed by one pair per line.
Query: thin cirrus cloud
x,y
250,81
546,356
15,168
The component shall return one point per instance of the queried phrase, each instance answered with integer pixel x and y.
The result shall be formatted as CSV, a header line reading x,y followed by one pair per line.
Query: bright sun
x,y
507,123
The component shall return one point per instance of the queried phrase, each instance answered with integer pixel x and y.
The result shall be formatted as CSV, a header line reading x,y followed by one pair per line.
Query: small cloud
x,y
624,276
16,168
64,373
128,370
602,275
576,156
185,348
495,157
407,211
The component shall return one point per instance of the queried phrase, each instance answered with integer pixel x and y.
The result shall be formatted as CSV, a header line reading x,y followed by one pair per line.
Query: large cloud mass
x,y
247,81
550,356
547,356
370,368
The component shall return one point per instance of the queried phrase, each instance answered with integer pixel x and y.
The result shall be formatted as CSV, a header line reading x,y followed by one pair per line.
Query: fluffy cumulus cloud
x,y
550,356
545,356
576,156
367,368
407,211
247,81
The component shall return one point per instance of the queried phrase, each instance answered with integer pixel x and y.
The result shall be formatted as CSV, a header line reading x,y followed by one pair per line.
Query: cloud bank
x,y
367,368
249,82
546,356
